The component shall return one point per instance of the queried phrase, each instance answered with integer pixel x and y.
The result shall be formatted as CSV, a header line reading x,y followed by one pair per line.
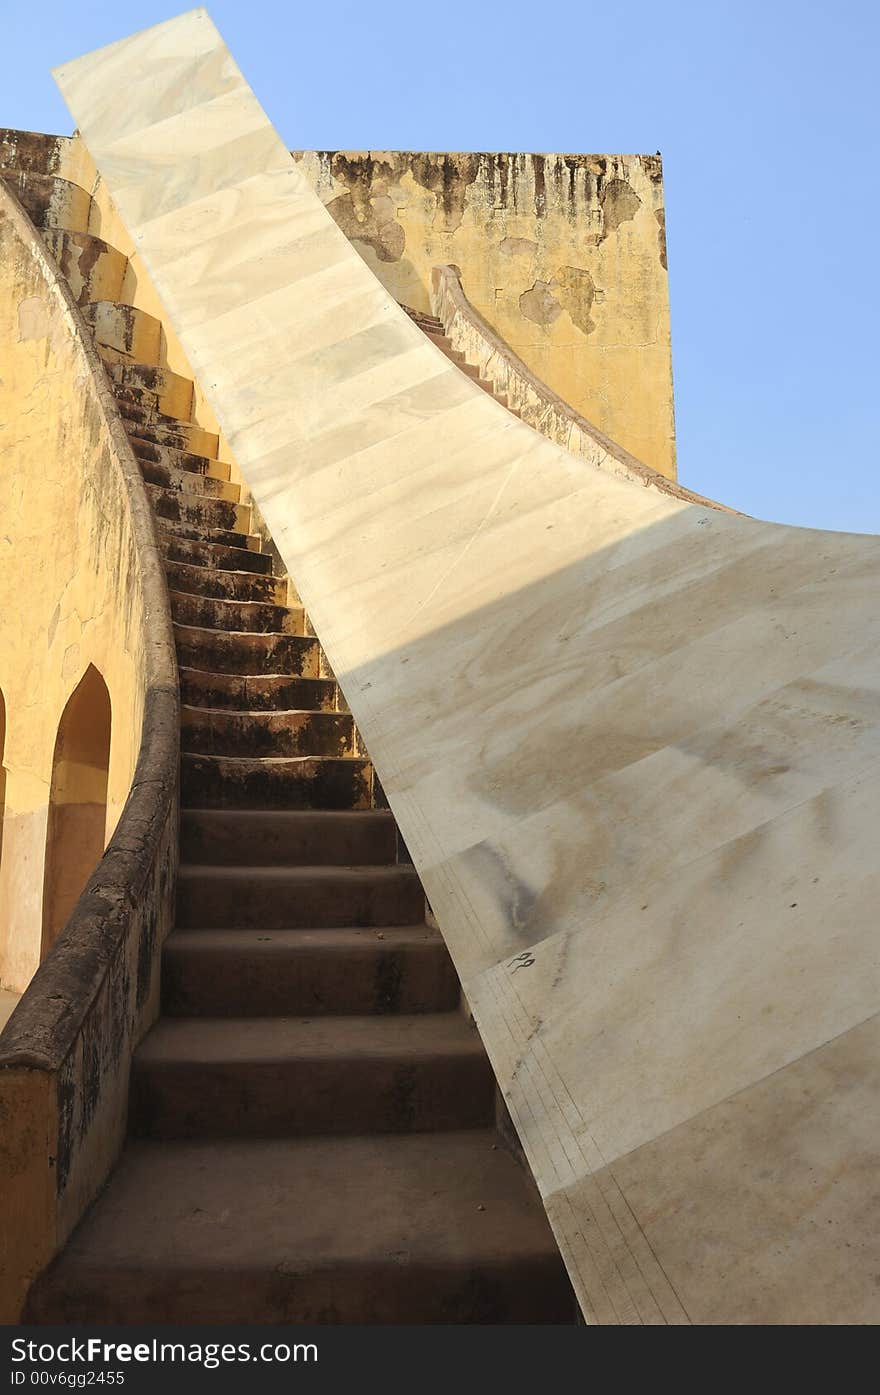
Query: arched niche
x,y
77,801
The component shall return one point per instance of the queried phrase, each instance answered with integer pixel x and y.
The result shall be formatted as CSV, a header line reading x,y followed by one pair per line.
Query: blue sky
x,y
767,118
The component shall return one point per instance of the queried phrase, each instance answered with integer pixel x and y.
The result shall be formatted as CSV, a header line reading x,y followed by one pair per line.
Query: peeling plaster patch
x,y
367,176
620,203
517,247
377,226
539,305
660,215
34,319
577,293
447,177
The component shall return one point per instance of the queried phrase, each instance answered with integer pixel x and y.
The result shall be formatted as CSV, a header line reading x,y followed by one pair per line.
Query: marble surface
x,y
633,743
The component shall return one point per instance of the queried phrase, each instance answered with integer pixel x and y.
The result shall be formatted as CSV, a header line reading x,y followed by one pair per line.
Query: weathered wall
x,y
564,255
70,593
81,584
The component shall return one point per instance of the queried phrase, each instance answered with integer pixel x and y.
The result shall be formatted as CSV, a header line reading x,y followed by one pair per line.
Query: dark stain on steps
x,y
311,1031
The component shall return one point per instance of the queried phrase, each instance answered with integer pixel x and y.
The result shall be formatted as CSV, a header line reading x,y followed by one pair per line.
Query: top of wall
x,y
516,180
563,254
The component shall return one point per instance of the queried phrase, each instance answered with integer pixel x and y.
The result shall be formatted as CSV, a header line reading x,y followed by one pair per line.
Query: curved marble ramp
x,y
633,742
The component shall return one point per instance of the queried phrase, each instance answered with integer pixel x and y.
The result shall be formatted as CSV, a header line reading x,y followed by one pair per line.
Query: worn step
x,y
173,393
110,356
184,462
29,150
474,373
257,617
294,782
426,321
413,1228
93,269
132,395
194,511
150,425
226,585
445,345
50,201
203,484
220,732
173,529
276,973
218,651
245,1077
125,329
287,837
288,898
244,692
208,556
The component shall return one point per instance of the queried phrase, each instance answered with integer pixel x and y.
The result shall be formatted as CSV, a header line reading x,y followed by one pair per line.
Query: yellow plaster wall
x,y
564,255
70,592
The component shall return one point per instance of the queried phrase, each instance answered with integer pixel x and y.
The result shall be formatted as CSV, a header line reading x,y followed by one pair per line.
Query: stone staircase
x,y
433,328
313,1119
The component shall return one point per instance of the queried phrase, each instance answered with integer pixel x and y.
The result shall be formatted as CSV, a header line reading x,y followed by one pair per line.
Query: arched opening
x,y
77,801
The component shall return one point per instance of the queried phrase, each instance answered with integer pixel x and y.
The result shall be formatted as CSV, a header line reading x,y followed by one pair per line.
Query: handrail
x,y
99,981
540,407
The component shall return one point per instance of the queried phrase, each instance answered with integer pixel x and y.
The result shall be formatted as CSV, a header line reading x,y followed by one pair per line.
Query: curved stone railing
x,y
632,741
538,405
66,1050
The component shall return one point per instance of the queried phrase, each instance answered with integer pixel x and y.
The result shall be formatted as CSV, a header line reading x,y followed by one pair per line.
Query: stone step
x,y
426,321
471,372
136,396
288,837
194,511
303,782
276,973
185,462
125,329
439,338
50,201
218,651
94,269
289,898
226,585
203,484
172,529
149,425
286,1076
412,1228
206,556
173,392
257,692
211,612
110,356
30,151
219,732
